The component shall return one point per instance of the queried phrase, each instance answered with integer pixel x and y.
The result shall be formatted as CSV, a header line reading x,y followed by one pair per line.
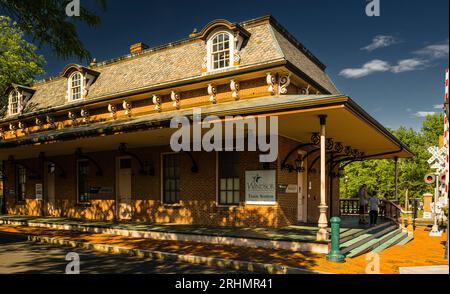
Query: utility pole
x,y
396,180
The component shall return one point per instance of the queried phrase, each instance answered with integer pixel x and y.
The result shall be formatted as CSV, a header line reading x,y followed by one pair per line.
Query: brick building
x,y
93,143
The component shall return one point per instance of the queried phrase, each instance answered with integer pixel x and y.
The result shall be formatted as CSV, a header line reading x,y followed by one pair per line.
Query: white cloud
x,y
380,42
435,51
370,67
408,65
424,113
438,106
377,65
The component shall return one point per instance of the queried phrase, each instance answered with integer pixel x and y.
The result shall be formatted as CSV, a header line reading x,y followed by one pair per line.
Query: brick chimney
x,y
138,48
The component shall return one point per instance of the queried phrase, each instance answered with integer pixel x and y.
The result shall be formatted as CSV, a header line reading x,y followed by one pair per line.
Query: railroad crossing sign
x,y
437,159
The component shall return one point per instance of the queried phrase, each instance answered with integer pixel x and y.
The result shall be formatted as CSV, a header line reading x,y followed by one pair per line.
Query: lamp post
x,y
435,230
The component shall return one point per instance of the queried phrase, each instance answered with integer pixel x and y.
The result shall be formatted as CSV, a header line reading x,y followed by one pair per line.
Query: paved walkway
x,y
300,233
422,251
23,257
425,270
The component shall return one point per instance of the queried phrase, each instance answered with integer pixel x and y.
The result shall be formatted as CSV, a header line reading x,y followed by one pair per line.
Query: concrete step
x,y
363,239
391,242
368,246
352,235
406,240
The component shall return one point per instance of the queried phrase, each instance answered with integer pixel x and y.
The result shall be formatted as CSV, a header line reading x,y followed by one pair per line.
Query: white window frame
x,y
209,46
19,102
70,87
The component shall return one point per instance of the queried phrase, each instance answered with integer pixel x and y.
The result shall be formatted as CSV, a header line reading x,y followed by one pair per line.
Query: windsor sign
x,y
260,187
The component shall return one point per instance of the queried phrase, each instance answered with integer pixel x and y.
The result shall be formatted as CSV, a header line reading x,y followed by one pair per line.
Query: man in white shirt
x,y
373,205
362,194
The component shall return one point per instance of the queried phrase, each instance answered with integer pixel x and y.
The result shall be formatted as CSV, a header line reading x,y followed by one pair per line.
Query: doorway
x,y
123,188
302,182
50,188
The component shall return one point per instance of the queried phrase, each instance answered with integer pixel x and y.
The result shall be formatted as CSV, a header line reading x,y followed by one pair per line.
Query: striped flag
x,y
446,135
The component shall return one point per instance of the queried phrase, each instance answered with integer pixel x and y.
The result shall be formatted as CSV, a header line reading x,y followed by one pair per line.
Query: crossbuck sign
x,y
437,159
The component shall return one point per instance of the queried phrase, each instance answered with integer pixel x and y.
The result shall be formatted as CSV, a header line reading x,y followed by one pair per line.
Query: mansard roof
x,y
180,62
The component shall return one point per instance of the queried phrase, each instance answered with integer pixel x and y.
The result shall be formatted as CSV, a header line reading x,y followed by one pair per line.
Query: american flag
x,y
446,135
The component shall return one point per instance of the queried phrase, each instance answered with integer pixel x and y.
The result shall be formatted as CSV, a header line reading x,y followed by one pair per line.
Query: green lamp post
x,y
335,253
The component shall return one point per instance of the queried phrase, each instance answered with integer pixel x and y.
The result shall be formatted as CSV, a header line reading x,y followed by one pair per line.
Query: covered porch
x,y
316,134
293,238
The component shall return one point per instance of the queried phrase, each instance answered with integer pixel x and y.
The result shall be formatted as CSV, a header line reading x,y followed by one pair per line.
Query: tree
x,y
19,62
379,174
46,21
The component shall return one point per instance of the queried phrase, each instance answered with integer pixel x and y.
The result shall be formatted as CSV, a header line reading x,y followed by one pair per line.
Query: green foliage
x,y
19,62
379,174
46,21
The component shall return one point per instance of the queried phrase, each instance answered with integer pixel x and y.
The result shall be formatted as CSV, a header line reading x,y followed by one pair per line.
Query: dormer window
x,y
79,81
220,52
75,86
221,49
224,41
14,102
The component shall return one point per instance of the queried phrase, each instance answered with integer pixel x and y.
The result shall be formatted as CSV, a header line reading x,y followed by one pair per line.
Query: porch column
x,y
396,180
322,234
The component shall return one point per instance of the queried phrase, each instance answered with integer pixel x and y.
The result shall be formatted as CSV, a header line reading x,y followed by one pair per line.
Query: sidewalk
x,y
422,251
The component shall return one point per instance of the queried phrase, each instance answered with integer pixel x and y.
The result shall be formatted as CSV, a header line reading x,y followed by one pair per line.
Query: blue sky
x,y
392,65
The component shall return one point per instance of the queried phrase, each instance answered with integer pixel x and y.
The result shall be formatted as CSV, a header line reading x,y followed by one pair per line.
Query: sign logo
x,y
373,8
260,186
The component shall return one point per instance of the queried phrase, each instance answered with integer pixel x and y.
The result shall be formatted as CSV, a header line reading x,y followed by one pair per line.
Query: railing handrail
x,y
398,207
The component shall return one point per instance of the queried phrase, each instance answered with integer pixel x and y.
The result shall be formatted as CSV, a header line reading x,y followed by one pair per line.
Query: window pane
x,y
223,184
125,163
83,181
221,51
171,181
236,184
236,197
223,197
230,184
229,197
76,86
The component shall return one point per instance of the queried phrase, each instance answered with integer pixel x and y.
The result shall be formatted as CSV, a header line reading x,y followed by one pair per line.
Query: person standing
x,y
373,205
383,202
362,194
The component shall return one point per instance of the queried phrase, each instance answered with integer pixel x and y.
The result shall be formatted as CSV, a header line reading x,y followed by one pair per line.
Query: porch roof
x,y
298,119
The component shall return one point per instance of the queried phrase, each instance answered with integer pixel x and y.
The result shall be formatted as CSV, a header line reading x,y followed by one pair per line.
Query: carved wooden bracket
x,y
212,91
175,97
234,86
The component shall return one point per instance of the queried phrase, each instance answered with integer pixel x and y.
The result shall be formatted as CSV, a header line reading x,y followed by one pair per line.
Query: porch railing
x,y
393,212
404,219
349,206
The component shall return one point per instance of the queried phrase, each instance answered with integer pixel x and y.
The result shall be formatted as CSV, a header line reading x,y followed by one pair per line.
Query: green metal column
x,y
335,253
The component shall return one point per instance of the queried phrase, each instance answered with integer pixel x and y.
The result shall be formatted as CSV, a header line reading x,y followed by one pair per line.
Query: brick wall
x,y
198,197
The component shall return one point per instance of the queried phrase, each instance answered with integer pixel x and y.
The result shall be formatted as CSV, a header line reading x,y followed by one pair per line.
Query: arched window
x,y
75,86
14,102
221,51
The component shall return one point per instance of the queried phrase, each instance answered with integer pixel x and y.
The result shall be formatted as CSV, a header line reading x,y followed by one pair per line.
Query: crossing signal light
x,y
430,179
